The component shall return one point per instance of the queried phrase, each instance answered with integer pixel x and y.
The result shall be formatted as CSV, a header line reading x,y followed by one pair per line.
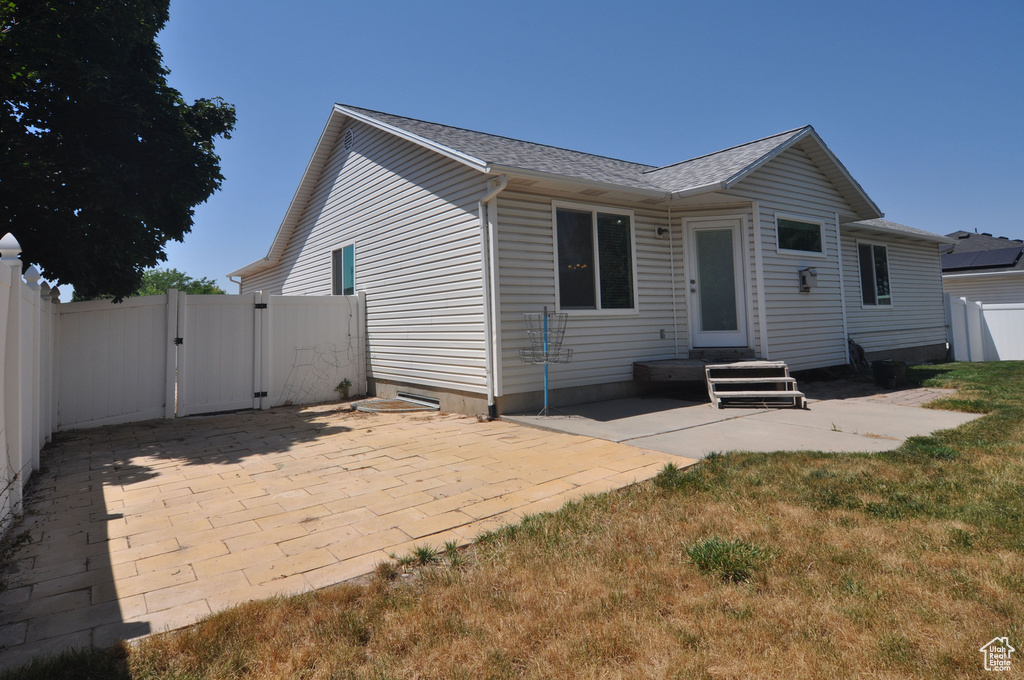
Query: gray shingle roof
x,y
720,166
516,153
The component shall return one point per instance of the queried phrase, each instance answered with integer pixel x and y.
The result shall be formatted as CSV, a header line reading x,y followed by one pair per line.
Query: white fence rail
x,y
85,364
981,332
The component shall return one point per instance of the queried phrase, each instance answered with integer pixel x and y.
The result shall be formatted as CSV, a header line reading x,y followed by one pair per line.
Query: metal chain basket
x,y
545,339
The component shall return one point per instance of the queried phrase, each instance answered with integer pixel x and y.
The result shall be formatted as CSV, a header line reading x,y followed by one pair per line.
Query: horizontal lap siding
x,y
1005,289
604,346
804,329
411,214
916,317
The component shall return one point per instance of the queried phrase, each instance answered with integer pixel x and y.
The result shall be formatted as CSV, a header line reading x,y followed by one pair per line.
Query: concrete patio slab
x,y
150,526
841,416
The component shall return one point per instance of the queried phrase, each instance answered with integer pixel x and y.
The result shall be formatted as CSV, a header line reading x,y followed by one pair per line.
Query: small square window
x,y
798,236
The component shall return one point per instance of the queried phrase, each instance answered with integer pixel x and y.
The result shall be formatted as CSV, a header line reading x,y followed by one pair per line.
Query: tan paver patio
x,y
146,527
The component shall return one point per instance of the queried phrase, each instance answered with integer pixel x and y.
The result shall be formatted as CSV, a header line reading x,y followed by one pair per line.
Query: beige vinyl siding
x,y
916,317
269,281
987,288
411,215
804,329
605,345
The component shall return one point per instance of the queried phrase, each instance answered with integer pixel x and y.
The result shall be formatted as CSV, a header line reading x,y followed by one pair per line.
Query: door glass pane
x,y
576,289
716,280
616,259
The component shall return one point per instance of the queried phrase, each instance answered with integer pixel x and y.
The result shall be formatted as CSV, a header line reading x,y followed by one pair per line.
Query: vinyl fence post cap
x,y
9,247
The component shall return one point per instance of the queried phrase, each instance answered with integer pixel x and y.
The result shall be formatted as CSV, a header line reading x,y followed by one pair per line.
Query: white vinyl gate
x,y
219,358
178,355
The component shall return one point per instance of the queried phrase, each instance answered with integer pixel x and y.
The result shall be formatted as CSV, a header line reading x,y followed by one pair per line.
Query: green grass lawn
x,y
747,565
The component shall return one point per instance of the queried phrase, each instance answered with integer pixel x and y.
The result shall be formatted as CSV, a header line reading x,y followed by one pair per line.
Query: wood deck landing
x,y
668,370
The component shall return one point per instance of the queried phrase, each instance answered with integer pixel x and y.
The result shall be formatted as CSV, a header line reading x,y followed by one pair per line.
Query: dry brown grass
x,y
898,565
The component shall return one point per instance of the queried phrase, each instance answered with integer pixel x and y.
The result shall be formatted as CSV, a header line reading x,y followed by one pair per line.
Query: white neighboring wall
x,y
1001,288
411,215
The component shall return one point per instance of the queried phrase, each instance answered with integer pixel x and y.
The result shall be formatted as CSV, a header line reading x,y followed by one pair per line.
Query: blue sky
x,y
922,101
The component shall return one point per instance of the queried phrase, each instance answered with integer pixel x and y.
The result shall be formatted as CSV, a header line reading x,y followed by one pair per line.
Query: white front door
x,y
717,304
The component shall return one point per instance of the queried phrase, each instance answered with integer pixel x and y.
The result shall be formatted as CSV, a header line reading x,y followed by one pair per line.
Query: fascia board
x,y
933,238
967,275
553,177
471,161
745,172
291,215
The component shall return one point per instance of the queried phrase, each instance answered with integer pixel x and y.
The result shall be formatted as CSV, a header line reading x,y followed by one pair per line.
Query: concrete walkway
x,y
146,527
841,416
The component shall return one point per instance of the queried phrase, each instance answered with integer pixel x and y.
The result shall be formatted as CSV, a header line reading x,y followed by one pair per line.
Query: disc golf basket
x,y
546,332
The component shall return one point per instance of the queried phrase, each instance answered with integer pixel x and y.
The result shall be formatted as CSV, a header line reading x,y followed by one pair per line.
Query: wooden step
x,y
766,394
796,397
770,379
721,353
750,381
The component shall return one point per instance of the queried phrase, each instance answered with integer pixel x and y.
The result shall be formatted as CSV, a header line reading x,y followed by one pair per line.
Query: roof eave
x,y
869,209
968,274
702,189
253,267
471,161
925,236
760,162
524,173
309,177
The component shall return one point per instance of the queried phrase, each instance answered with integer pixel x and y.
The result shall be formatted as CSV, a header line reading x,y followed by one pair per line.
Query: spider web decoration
x,y
314,373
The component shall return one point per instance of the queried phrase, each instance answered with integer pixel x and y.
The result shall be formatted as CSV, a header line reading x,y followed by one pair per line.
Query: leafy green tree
x,y
159,281
102,163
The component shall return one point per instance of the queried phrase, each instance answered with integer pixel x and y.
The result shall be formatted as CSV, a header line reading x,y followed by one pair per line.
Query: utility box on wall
x,y
808,279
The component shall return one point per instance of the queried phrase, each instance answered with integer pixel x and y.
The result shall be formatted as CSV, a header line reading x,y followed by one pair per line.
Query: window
x,y
874,275
799,236
595,259
343,274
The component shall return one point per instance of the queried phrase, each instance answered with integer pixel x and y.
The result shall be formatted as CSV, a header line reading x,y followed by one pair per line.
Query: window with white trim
x,y
874,275
595,259
799,236
343,271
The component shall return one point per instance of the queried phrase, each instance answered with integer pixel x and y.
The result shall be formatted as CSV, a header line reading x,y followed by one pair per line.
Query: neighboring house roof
x,y
494,154
885,226
982,253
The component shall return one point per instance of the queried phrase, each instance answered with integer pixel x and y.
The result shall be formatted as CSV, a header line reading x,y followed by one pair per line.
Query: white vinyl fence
x,y
85,364
27,322
985,332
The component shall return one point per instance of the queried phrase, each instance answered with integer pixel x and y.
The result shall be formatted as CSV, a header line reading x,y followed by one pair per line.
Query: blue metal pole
x,y
545,360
